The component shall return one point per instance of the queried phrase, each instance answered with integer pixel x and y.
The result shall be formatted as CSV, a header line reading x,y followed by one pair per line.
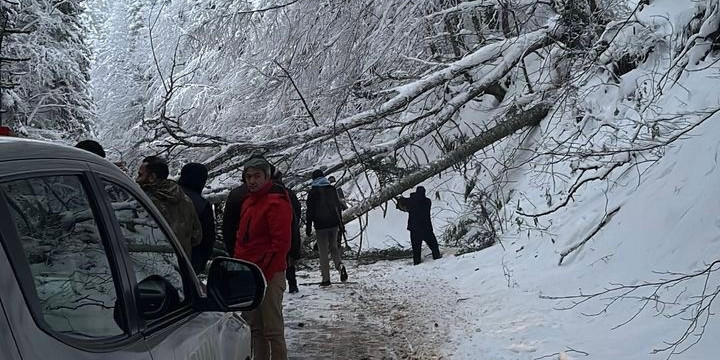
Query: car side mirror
x,y
158,297
235,285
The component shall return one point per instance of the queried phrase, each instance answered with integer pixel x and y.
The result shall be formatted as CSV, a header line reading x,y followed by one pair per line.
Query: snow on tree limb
x,y
463,6
510,50
515,119
510,59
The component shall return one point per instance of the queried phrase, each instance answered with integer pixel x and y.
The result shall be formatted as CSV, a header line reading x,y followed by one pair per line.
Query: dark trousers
x,y
290,277
417,236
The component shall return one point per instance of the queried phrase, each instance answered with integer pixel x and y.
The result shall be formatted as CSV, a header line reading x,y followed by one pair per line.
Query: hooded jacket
x,y
178,211
192,180
231,217
324,209
265,229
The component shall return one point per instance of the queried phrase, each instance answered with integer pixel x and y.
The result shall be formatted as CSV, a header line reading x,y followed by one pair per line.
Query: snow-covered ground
x,y
502,302
493,304
382,312
669,224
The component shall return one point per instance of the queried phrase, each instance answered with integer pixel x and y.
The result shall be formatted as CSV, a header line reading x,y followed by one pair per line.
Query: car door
x,y
180,332
64,293
7,342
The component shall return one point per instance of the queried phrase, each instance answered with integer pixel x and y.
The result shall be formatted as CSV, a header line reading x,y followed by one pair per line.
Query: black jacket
x,y
324,209
231,218
202,252
418,209
295,246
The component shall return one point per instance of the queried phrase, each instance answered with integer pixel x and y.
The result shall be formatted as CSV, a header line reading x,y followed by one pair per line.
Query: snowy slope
x,y
667,225
670,223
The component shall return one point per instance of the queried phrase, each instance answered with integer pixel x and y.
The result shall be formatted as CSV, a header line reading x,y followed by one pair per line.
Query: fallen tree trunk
x,y
515,119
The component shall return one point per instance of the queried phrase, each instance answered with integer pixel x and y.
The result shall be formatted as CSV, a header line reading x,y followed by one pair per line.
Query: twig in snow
x,y
569,350
602,174
602,223
696,311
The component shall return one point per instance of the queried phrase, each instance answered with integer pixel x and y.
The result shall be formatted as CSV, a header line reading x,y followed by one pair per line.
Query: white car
x,y
90,270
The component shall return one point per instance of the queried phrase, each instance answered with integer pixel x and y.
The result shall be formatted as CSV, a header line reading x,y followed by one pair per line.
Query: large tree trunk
x,y
515,120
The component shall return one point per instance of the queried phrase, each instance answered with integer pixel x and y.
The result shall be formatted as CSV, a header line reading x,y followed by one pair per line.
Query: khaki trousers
x,y
327,242
267,324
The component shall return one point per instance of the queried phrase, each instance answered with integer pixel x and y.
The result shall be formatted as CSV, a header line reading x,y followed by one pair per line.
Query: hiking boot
x,y
343,273
293,289
325,283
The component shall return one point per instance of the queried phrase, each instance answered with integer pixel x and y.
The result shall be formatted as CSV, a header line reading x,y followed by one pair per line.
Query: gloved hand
x,y
308,230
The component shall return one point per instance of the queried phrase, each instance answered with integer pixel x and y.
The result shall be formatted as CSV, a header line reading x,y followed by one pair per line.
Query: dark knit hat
x,y
317,174
193,176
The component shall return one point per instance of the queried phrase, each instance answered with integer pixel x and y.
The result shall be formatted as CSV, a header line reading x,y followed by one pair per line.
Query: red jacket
x,y
264,232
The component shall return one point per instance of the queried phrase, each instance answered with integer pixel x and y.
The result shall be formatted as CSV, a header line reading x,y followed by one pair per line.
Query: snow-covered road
x,y
371,316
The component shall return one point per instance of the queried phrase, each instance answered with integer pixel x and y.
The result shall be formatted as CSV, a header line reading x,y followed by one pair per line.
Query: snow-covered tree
x,y
52,99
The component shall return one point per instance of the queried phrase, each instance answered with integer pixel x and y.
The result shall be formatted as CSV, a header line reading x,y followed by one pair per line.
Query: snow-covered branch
x,y
404,95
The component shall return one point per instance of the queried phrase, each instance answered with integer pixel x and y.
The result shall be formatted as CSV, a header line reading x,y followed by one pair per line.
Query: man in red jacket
x,y
263,237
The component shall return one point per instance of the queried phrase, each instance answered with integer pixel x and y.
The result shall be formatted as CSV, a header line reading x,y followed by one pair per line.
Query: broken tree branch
x,y
597,228
404,96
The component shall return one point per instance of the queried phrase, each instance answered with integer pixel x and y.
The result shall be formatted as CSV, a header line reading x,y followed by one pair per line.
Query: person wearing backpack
x,y
324,211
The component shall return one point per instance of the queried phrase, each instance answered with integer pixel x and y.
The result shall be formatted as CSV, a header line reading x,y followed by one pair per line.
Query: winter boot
x,y
343,273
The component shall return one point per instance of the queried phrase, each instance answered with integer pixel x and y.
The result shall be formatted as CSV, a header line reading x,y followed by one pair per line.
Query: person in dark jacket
x,y
169,198
419,223
193,177
263,237
325,212
295,247
231,216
